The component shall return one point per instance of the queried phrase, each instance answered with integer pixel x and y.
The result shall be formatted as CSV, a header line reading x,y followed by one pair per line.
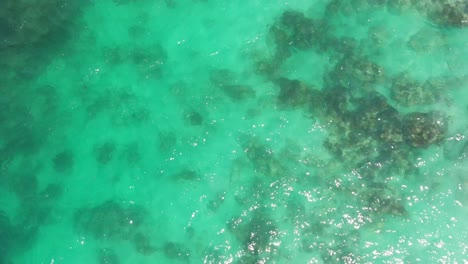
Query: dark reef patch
x,y
63,161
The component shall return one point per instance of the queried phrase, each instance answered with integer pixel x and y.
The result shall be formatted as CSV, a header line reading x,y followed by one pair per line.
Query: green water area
x,y
215,131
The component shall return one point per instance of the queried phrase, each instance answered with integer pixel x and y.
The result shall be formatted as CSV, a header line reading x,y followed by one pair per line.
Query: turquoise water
x,y
221,132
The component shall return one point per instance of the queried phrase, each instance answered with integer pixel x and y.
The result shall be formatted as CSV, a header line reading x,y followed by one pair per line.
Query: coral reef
x,y
424,129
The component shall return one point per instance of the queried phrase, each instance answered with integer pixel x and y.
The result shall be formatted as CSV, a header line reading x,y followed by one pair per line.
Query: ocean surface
x,y
203,131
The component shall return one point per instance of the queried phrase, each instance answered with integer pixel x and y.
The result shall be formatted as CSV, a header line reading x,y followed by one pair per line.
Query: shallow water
x,y
215,132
